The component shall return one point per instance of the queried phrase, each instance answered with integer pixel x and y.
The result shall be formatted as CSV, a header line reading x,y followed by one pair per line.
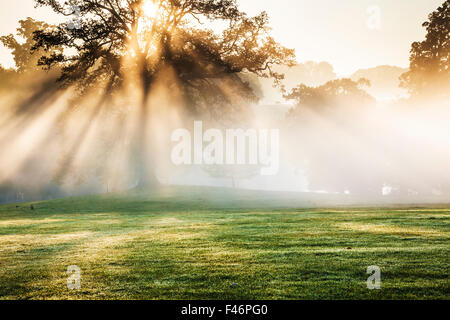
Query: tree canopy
x,y
117,37
429,72
21,50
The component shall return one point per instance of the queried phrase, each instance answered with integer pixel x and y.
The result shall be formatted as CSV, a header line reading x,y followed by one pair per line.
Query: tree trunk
x,y
145,145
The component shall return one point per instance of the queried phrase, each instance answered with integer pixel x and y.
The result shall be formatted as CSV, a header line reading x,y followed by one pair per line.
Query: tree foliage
x,y
21,44
117,36
335,93
429,72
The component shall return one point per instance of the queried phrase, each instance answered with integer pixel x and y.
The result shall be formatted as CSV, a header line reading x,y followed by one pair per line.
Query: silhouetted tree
x,y
429,73
173,37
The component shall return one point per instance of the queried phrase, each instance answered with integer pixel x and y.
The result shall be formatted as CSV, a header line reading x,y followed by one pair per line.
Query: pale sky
x,y
345,33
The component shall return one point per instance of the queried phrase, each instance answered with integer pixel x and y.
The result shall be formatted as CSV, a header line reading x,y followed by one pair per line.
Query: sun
x,y
150,9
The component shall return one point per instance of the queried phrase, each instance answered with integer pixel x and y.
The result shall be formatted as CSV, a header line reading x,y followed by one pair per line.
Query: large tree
x,y
159,34
114,39
429,73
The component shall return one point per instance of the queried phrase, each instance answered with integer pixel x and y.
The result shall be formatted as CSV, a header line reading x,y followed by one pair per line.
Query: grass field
x,y
179,244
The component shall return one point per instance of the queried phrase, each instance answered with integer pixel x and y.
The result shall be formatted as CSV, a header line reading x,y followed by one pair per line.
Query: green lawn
x,y
177,243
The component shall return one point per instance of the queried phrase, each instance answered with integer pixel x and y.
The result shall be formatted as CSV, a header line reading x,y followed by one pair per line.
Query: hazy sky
x,y
346,33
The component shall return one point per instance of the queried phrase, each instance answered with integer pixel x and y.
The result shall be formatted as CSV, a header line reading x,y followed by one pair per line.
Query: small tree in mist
x,y
429,73
150,39
6,79
235,173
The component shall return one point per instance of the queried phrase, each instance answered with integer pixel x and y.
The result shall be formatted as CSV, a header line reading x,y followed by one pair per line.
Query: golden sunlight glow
x,y
149,8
